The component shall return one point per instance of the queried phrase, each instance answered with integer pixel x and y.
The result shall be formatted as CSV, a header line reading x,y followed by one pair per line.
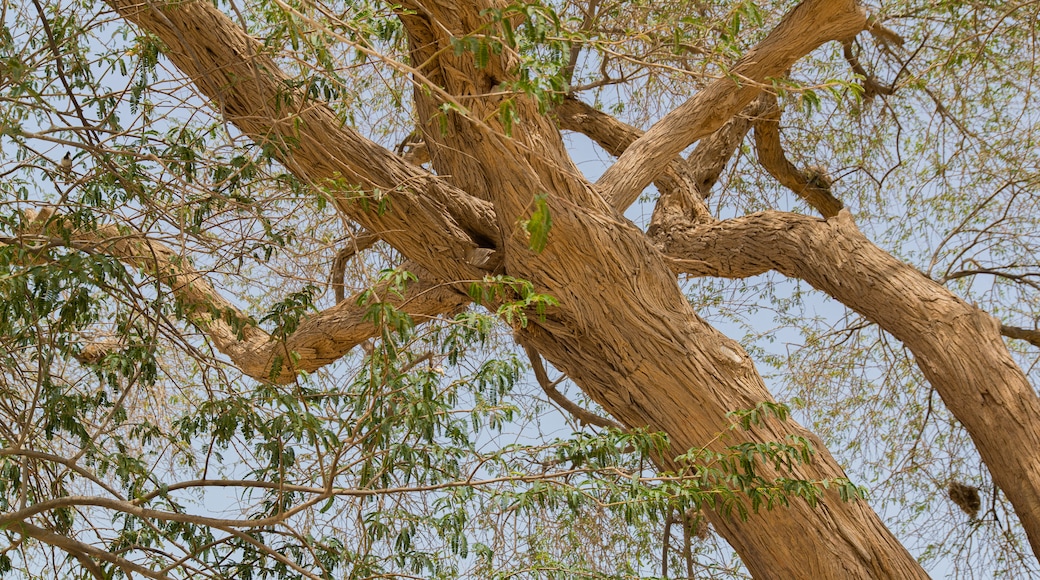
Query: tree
x,y
482,207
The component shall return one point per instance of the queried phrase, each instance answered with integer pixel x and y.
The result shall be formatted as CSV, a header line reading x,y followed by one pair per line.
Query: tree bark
x,y
623,330
958,347
806,27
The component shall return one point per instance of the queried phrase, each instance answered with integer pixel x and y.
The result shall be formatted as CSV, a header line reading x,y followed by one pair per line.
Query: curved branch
x,y
677,183
871,86
584,416
318,340
806,27
957,346
813,185
80,550
339,264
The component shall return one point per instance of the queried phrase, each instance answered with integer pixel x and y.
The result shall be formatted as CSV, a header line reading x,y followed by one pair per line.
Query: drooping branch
x,y
319,339
958,347
806,27
812,185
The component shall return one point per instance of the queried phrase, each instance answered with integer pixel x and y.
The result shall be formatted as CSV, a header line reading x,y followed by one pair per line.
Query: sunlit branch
x,y
806,27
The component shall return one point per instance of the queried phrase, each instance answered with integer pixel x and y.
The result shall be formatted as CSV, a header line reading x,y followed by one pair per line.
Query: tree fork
x,y
591,264
958,346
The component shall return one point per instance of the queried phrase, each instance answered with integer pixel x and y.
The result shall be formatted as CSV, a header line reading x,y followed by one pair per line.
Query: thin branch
x,y
584,416
871,86
81,550
587,22
1030,336
319,339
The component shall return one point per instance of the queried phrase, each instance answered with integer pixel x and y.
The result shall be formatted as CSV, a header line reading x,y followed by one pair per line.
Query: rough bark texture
x,y
623,330
958,346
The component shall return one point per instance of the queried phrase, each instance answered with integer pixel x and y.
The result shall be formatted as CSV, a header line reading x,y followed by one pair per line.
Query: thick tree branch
x,y
685,183
430,221
813,185
809,25
319,339
958,346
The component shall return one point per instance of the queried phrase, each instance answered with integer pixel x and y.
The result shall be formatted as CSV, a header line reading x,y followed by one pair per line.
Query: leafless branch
x,y
357,244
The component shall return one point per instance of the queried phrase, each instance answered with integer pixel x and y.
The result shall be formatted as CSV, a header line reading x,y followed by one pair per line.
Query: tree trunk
x,y
623,331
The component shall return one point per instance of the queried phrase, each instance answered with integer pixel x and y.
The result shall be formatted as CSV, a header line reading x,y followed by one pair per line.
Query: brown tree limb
x,y
431,221
812,185
807,26
677,183
319,339
358,243
585,416
1032,336
957,346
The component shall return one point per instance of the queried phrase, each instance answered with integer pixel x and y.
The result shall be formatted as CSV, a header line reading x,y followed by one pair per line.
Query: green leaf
x,y
539,225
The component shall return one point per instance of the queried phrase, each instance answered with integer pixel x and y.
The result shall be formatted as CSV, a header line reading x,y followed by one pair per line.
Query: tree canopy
x,y
532,289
